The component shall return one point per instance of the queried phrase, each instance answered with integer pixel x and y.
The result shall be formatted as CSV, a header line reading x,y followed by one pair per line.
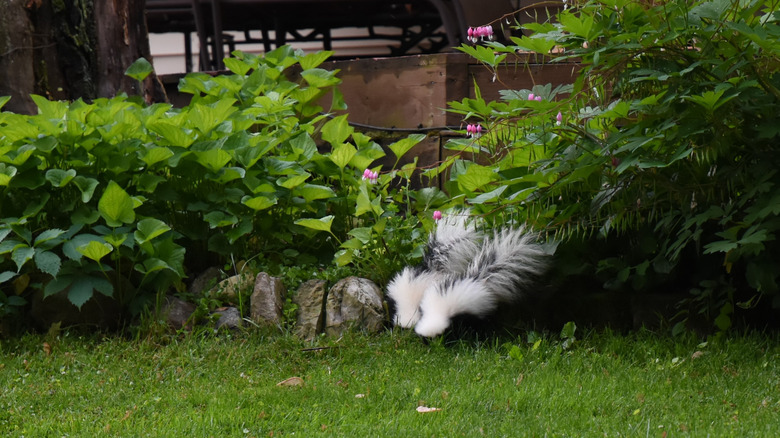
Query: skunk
x,y
505,265
450,249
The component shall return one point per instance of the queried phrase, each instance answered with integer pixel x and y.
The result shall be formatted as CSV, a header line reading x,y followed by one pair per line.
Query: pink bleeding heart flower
x,y
370,176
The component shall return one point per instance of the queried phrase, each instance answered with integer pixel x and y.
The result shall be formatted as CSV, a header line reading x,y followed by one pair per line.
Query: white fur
x,y
406,291
451,247
453,244
503,267
438,306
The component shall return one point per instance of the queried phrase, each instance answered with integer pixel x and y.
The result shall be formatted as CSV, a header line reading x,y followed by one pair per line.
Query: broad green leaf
x,y
4,232
353,243
363,203
45,144
218,219
292,181
95,250
36,205
227,174
568,330
48,235
244,227
80,291
213,159
363,234
320,78
336,130
490,196
430,197
342,154
401,147
3,101
711,100
487,55
152,265
476,177
149,228
148,182
86,186
172,254
139,69
312,192
7,246
344,257
156,154
70,248
304,146
237,66
85,215
21,255
6,173
59,177
17,157
311,60
115,206
322,224
538,45
115,239
57,285
47,262
207,117
259,202
50,109
577,24
7,275
172,132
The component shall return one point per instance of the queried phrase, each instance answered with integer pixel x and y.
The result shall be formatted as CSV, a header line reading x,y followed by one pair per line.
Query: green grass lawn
x,y
361,386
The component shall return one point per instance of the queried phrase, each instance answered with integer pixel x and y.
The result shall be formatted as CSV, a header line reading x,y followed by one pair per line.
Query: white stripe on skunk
x,y
504,266
451,248
463,274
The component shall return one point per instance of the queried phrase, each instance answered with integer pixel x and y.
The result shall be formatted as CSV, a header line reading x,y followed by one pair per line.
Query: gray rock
x,y
237,285
354,302
229,318
267,300
310,299
177,312
206,279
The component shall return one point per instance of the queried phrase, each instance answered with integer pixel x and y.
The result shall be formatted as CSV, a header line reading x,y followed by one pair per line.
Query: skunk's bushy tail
x,y
501,271
451,248
453,244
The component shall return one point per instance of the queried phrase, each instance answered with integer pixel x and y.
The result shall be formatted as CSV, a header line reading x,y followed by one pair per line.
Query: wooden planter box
x,y
412,92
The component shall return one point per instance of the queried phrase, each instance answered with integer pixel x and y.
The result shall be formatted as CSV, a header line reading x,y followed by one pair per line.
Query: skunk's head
x,y
404,293
434,324
452,297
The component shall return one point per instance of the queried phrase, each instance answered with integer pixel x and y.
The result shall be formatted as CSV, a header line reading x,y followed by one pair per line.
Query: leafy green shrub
x,y
668,137
123,199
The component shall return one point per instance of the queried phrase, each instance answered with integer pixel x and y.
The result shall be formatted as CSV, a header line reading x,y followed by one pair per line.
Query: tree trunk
x,y
67,49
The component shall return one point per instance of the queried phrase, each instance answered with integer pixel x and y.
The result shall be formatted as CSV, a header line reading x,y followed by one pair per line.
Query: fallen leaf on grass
x,y
359,395
426,409
292,381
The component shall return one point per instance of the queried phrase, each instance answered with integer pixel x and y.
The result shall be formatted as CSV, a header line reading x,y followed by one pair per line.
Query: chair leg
x,y
203,38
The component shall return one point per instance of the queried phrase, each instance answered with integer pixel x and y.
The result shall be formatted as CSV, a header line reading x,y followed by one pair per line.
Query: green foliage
x,y
669,137
109,196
